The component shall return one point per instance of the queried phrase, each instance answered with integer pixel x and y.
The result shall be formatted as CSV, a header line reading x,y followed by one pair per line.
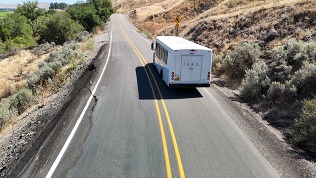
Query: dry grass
x,y
223,11
98,30
165,11
15,69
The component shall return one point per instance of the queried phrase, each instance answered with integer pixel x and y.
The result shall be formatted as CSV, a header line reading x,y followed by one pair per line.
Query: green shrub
x,y
73,65
279,54
275,92
240,59
2,47
53,63
51,57
45,72
57,28
19,43
295,53
304,129
23,100
56,65
66,55
32,81
41,64
6,110
256,82
104,8
85,14
280,71
30,10
83,36
16,32
299,51
304,80
71,45
217,61
44,48
90,44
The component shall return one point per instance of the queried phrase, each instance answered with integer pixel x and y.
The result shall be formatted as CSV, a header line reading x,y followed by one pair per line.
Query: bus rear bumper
x,y
183,85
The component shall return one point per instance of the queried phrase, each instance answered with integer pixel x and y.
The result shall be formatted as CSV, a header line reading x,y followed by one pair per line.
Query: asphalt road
x,y
127,131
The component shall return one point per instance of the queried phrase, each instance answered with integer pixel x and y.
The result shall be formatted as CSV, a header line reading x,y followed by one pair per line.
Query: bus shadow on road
x,y
145,91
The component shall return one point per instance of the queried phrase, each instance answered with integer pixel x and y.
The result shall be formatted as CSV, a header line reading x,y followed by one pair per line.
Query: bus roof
x,y
178,43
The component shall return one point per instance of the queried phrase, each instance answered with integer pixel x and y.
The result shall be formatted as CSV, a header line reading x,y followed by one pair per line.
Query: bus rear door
x,y
191,67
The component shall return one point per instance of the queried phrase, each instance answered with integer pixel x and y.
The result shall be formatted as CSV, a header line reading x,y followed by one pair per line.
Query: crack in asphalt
x,y
95,102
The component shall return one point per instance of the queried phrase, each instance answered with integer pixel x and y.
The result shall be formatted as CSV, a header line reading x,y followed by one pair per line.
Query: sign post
x,y
177,25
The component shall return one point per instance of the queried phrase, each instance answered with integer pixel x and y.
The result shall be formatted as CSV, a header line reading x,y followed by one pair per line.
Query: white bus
x,y
182,63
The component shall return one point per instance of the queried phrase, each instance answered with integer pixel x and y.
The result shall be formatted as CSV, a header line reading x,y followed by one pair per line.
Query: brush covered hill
x,y
266,50
220,24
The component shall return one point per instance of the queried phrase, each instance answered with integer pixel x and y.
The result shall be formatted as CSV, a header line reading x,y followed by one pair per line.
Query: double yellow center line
x,y
162,131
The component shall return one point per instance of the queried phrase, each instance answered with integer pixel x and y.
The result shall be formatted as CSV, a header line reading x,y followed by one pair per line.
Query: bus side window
x,y
157,47
160,53
165,56
157,50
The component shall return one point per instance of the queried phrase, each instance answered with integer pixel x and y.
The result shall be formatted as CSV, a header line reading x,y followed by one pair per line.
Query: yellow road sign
x,y
176,25
177,20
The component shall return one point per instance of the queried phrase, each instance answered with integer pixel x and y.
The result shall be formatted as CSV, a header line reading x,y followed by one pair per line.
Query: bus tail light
x,y
172,75
208,75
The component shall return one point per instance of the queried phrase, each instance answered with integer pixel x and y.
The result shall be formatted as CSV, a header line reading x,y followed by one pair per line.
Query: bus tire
x,y
161,75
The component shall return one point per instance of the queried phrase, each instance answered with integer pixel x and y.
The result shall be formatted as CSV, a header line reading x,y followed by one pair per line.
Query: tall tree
x,y
15,25
104,8
56,5
14,29
85,14
52,6
57,28
63,5
30,10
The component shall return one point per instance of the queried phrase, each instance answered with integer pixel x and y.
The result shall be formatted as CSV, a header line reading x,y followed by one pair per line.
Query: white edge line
x,y
142,37
135,30
210,94
63,150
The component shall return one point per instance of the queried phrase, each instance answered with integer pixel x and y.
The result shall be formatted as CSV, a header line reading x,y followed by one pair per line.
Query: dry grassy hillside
x,y
219,24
